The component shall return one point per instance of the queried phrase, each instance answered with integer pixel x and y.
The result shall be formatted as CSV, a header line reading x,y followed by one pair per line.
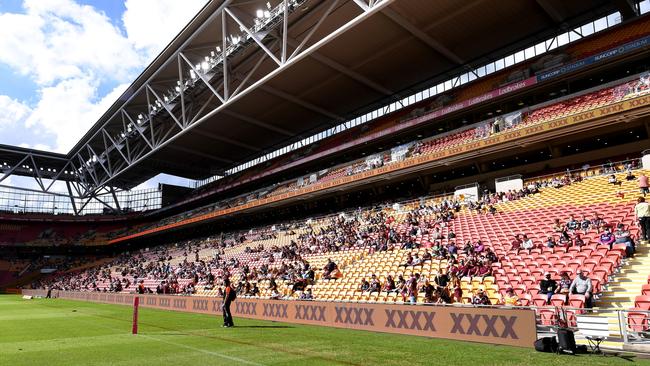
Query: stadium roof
x,y
197,120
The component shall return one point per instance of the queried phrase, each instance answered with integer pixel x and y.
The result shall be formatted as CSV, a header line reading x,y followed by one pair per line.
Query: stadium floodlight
x,y
212,54
205,66
267,14
218,49
259,13
268,5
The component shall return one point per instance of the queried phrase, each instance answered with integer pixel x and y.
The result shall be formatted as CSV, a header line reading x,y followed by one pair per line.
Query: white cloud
x,y
152,24
74,53
12,111
68,108
60,39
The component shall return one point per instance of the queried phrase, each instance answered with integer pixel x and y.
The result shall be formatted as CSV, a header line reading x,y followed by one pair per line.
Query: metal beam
x,y
258,123
201,154
376,7
227,140
346,71
551,11
628,8
422,36
307,105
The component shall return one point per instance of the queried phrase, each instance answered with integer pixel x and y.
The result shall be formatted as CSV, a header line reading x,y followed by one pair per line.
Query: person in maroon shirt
x,y
516,244
643,184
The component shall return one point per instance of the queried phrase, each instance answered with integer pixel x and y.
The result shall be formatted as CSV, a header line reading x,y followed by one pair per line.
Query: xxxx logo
x,y
276,310
248,308
409,319
361,316
612,109
200,305
164,302
310,312
584,116
179,303
216,306
117,299
484,325
640,101
151,301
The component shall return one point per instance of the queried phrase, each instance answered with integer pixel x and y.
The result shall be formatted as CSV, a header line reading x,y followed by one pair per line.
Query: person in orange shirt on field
x,y
229,295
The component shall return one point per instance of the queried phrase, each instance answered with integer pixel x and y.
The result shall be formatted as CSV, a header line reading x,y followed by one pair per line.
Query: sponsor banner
x,y
505,137
514,327
603,56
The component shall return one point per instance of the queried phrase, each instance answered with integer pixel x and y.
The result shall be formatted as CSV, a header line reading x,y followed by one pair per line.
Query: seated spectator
x,y
547,287
255,291
629,176
417,261
597,222
510,298
329,268
572,224
428,290
558,227
483,270
527,244
577,241
481,298
275,295
364,285
389,285
468,248
409,261
623,236
582,285
607,238
516,244
452,249
550,242
612,180
585,224
479,247
564,285
426,256
375,286
307,295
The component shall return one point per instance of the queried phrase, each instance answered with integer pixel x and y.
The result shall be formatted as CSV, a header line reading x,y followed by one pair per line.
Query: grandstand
x,y
345,153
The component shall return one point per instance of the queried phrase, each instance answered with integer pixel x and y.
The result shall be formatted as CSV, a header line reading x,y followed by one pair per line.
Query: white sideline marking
x,y
231,358
212,353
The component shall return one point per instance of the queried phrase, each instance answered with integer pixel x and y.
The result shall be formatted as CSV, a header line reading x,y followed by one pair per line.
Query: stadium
x,y
370,182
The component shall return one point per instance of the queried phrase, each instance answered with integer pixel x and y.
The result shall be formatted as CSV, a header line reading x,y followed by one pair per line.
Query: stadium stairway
x,y
628,282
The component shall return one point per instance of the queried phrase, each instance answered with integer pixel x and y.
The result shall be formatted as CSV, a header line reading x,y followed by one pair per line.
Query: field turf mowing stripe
x,y
64,332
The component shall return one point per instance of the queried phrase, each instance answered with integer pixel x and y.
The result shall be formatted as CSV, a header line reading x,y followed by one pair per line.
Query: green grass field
x,y
61,332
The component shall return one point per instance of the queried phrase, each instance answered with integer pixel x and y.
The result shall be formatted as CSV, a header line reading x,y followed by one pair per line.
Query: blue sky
x,y
63,62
